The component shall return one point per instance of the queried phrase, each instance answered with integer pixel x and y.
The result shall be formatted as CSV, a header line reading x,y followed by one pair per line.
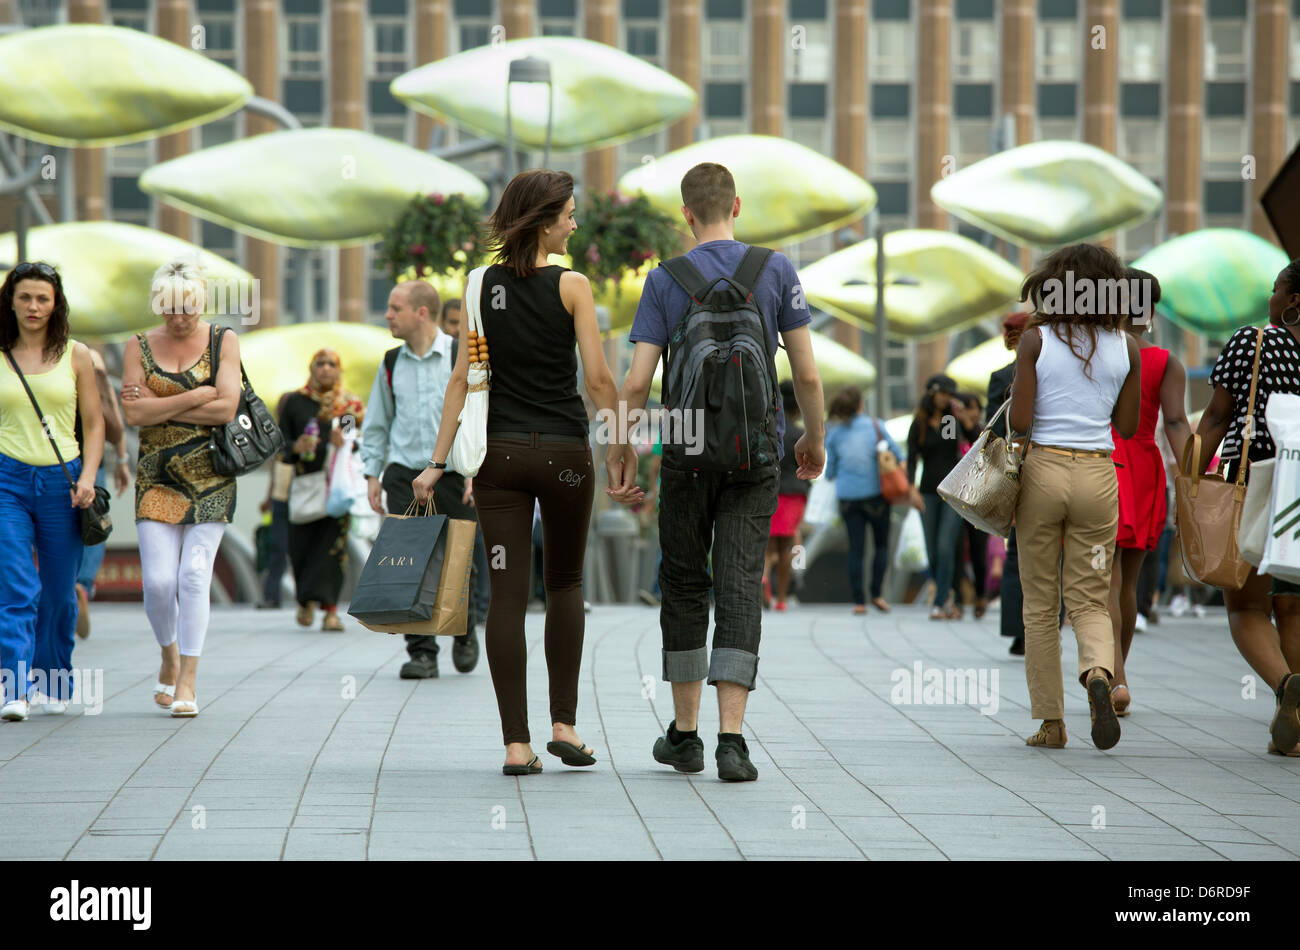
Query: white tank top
x,y
1071,410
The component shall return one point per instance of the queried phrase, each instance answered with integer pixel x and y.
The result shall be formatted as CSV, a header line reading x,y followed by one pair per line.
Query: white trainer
x,y
15,711
51,707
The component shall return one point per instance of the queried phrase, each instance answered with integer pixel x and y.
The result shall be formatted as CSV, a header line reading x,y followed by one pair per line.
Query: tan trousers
x,y
1066,519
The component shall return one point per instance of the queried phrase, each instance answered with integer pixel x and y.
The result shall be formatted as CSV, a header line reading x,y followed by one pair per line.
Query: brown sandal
x,y
1051,734
1120,703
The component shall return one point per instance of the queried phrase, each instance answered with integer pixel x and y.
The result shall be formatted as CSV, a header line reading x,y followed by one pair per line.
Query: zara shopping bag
x,y
416,579
470,445
1282,550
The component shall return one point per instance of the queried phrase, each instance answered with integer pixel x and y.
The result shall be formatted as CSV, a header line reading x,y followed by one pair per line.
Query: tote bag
x,y
1281,557
985,483
470,445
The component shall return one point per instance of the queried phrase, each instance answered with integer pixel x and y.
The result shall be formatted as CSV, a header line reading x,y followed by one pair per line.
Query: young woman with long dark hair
x,y
39,511
1077,374
534,313
1272,651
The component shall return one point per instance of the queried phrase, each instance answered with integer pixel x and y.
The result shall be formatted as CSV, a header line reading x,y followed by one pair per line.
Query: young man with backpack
x,y
398,436
718,311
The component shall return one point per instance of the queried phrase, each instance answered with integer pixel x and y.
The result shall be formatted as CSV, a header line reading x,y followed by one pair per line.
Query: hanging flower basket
x,y
617,235
437,234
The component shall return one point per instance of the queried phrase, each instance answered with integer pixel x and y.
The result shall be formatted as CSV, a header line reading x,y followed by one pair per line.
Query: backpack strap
x,y
390,361
750,267
688,277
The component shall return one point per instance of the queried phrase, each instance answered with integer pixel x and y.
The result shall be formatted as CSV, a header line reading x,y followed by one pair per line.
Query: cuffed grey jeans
x,y
730,515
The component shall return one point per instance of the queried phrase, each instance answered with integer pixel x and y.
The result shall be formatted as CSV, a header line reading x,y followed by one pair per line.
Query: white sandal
x,y
162,689
185,708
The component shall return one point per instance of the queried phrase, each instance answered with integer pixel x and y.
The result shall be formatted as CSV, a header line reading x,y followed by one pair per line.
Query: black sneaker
x,y
464,652
733,761
422,666
684,756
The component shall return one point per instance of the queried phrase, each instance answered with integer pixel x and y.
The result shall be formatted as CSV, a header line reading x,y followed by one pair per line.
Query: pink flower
x,y
622,198
593,255
437,198
416,249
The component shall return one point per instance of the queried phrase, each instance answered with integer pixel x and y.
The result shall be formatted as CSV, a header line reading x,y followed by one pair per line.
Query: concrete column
x,y
347,110
685,21
262,69
850,113
1269,93
175,18
1101,80
768,41
1186,92
519,17
431,44
601,26
934,108
1017,85
89,161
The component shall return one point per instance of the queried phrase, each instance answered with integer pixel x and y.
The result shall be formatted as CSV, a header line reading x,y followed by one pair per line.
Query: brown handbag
x,y
894,486
1208,508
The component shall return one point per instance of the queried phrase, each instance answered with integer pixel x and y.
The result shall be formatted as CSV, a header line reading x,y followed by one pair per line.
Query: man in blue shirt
x,y
728,512
400,429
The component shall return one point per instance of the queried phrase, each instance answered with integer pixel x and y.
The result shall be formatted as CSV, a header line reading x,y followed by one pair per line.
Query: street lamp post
x,y
530,69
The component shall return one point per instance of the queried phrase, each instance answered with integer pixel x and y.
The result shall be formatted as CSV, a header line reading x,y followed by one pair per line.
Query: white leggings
x,y
177,560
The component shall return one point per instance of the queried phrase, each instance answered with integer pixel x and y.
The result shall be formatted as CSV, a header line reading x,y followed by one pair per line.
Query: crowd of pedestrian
x,y
1095,411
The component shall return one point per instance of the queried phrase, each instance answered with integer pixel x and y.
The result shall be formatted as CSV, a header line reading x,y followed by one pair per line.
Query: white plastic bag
x,y
1282,551
910,555
823,507
470,446
343,487
1252,533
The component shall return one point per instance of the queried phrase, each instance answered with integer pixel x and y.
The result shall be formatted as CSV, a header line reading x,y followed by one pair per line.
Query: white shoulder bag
x,y
470,446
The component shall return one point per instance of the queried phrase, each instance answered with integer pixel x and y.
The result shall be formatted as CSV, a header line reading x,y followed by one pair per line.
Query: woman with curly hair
x,y
1077,374
39,511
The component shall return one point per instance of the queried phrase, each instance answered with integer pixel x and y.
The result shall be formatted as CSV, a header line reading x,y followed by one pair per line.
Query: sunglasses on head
x,y
40,268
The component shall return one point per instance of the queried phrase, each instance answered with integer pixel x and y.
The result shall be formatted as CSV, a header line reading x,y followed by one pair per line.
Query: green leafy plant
x,y
618,234
437,234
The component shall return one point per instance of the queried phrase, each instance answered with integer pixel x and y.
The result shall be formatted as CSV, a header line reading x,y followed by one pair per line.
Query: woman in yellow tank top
x,y
38,511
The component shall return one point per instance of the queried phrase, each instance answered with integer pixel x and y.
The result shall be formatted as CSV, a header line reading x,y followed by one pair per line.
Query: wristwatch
x,y
438,465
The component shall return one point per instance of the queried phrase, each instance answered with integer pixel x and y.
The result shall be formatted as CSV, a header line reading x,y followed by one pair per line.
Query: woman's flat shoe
x,y
880,604
1274,750
306,614
532,768
859,609
1120,702
184,708
570,753
981,608
938,613
332,622
162,689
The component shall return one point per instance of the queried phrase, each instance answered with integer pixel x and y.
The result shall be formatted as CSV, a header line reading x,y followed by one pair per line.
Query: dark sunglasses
x,y
40,268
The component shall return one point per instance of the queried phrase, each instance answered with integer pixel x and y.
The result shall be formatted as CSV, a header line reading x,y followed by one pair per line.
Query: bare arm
x,y
1024,388
140,407
1173,397
222,409
1128,405
453,403
810,449
92,421
1213,426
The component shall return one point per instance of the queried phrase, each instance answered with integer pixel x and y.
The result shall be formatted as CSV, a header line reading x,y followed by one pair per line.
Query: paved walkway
x,y
309,746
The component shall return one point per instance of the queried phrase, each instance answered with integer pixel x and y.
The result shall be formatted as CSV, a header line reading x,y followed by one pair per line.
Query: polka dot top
x,y
1279,372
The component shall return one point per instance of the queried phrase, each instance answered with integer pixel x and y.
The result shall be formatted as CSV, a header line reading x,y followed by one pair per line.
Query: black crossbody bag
x,y
96,525
249,439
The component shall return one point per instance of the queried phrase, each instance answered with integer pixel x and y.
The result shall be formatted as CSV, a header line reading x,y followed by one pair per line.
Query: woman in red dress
x,y
1143,502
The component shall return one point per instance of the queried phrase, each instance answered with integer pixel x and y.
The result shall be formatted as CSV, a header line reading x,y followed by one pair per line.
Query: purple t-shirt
x,y
778,295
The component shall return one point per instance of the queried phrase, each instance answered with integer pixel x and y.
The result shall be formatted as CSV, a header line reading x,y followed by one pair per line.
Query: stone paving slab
x,y
309,747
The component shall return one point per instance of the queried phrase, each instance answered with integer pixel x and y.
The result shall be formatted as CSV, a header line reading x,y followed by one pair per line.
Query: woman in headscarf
x,y
321,410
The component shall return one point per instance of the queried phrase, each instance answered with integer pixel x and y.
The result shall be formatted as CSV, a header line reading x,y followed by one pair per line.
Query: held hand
x,y
811,455
304,443
83,494
375,495
336,437
424,482
620,471
121,476
468,497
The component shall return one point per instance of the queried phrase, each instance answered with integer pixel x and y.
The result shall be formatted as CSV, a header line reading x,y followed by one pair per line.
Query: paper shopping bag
x,y
1282,550
450,614
399,583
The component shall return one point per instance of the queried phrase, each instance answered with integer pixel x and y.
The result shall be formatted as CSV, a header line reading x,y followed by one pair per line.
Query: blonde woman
x,y
182,506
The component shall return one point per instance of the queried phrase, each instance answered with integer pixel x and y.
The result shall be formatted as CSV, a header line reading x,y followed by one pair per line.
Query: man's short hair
x,y
420,293
452,304
710,192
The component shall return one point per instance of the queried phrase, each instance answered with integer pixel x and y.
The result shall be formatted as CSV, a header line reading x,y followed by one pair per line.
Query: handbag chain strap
x,y
1248,435
41,418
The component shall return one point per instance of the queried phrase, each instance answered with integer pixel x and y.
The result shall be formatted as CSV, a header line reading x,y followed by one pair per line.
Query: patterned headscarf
x,y
335,401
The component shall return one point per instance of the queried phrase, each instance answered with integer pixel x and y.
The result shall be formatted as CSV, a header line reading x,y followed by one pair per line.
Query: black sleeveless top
x,y
531,347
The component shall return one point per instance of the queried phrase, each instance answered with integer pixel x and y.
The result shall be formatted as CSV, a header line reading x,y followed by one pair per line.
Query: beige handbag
x,y
1209,509
984,485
